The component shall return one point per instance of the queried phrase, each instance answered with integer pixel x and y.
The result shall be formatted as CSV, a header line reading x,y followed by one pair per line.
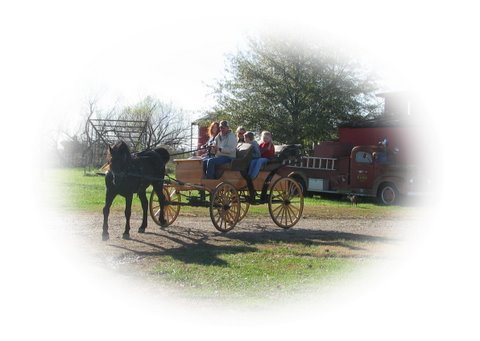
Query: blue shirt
x,y
256,149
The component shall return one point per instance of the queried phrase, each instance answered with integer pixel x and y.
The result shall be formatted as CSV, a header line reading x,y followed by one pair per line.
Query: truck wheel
x,y
387,194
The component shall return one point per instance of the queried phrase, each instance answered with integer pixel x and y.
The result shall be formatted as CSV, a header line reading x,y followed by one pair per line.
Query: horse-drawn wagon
x,y
230,195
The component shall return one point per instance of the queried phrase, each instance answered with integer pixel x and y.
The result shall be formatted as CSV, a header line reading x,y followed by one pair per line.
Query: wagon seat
x,y
241,161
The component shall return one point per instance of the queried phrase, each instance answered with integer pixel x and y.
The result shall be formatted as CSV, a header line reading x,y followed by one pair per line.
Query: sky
x,y
121,53
57,54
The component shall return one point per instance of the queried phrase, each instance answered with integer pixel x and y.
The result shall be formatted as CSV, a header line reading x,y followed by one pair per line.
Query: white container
x,y
317,185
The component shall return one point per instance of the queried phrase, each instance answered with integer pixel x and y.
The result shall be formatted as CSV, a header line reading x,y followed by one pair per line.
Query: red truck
x,y
385,157
363,170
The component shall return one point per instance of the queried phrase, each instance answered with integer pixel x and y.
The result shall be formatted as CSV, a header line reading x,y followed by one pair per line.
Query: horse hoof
x,y
126,236
141,230
105,237
163,224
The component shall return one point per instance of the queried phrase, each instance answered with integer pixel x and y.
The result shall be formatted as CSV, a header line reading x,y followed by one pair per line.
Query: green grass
x,y
77,191
255,271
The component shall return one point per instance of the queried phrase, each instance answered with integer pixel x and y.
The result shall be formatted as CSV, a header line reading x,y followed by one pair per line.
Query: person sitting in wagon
x,y
212,132
267,152
224,148
250,138
240,134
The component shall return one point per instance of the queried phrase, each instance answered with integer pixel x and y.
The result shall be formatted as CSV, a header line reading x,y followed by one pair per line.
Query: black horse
x,y
133,173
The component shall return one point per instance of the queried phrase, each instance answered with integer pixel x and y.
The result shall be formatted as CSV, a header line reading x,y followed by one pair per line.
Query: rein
x,y
188,151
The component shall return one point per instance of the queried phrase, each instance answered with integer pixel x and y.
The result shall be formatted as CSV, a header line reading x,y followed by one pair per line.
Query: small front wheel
x,y
286,202
225,207
171,208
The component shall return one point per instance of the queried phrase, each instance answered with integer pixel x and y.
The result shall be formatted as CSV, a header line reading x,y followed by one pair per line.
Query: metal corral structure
x,y
103,132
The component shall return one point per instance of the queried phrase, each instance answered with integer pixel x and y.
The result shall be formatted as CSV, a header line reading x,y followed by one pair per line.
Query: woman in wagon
x,y
240,134
224,148
213,130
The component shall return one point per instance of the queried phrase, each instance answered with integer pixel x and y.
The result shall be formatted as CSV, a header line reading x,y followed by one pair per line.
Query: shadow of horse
x,y
133,173
199,252
197,247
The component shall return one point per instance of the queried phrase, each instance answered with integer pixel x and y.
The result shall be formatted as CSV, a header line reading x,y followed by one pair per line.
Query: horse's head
x,y
163,153
120,157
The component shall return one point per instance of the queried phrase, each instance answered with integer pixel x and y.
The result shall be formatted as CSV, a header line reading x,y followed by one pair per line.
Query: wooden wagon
x,y
229,196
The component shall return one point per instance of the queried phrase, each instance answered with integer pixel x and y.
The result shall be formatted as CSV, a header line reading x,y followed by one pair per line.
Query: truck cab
x,y
374,172
364,170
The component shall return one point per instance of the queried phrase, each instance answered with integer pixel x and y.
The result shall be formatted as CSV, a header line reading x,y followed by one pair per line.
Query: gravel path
x,y
142,249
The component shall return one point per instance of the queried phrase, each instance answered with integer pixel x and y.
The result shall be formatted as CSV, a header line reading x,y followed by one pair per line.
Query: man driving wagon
x,y
223,148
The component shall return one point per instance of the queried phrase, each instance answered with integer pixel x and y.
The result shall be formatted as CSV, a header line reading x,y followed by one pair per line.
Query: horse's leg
x,y
158,187
128,213
143,199
106,211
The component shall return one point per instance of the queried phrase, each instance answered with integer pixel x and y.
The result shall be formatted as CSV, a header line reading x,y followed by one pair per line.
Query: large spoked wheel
x,y
244,204
171,209
225,207
286,202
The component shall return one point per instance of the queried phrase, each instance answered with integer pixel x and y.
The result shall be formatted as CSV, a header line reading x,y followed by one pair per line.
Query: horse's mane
x,y
119,147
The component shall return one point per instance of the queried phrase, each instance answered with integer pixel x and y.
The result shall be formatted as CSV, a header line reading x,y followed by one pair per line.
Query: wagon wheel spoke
x,y
290,212
279,211
244,205
293,211
229,216
171,207
279,207
218,218
285,214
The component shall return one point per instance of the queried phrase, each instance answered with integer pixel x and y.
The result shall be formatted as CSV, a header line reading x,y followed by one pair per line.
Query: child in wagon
x,y
265,152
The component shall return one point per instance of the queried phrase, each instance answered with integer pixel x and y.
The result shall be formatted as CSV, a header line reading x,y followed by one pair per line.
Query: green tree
x,y
299,92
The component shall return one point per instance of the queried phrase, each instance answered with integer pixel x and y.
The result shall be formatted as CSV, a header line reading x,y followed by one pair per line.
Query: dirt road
x,y
188,231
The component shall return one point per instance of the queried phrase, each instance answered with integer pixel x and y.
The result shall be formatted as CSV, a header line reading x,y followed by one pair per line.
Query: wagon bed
x,y
228,197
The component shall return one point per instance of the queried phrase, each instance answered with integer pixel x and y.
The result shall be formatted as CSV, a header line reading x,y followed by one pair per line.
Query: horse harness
x,y
133,170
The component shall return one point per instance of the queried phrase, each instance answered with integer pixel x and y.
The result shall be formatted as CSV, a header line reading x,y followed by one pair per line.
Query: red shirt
x,y
267,150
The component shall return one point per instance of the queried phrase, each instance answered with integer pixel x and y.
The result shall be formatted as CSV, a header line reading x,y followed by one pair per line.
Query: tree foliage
x,y
298,92
167,125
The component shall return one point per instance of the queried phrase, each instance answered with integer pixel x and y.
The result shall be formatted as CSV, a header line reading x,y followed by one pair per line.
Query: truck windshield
x,y
363,157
